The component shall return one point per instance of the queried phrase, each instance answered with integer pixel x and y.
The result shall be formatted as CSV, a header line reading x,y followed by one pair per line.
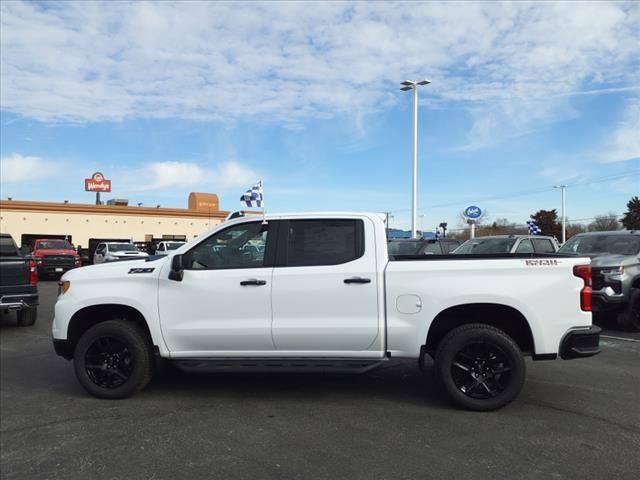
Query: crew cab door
x,y
324,289
223,303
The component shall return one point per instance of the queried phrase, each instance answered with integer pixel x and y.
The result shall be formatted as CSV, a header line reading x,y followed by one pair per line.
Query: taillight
x,y
33,272
584,272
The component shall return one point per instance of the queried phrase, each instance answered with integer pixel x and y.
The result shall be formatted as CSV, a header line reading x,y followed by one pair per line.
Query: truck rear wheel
x,y
630,318
480,367
27,317
113,359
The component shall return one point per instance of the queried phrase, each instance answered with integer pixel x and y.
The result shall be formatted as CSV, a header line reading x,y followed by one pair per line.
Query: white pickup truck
x,y
319,291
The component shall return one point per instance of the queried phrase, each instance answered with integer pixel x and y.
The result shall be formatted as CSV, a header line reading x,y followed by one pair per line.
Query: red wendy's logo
x,y
97,183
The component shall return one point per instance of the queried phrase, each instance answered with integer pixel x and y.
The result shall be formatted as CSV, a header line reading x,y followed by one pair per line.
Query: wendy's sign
x,y
97,183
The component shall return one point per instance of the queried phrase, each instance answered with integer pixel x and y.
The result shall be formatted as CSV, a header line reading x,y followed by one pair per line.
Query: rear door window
x,y
433,247
543,245
322,242
525,247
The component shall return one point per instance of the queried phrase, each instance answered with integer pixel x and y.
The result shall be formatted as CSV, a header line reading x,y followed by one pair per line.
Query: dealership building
x,y
86,224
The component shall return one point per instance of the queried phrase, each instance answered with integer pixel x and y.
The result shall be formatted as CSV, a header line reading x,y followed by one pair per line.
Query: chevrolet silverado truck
x,y
165,247
18,282
320,292
117,251
615,263
54,256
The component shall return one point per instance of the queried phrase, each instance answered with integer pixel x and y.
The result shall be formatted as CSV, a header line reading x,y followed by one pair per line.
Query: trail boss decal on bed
x,y
543,262
141,270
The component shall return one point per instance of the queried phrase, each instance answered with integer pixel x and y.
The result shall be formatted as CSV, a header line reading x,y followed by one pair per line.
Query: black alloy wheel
x,y
113,359
480,367
108,362
481,370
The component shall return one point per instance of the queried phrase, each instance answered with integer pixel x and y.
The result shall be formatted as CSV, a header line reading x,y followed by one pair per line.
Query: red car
x,y
54,257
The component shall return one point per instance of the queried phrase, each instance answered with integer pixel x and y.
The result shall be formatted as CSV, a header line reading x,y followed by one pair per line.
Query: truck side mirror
x,y
177,270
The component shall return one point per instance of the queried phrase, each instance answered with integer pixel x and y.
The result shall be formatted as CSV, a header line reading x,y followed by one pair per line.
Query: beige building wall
x,y
83,222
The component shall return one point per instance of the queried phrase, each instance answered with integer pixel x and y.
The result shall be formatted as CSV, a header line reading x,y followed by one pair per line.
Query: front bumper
x,y
580,343
607,300
63,348
53,269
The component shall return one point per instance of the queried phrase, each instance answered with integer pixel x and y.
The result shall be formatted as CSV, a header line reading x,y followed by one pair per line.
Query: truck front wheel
x,y
113,359
630,318
480,367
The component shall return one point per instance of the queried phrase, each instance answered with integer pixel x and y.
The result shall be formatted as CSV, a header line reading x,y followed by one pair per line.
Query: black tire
x,y
113,359
630,318
27,317
480,367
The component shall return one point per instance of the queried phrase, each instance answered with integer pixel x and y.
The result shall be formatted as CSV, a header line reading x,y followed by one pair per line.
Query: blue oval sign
x,y
472,212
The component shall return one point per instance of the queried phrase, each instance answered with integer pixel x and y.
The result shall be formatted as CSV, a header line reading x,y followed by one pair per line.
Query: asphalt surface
x,y
574,419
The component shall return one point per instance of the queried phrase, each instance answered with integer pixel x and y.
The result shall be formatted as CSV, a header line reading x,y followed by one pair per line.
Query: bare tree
x,y
604,223
574,229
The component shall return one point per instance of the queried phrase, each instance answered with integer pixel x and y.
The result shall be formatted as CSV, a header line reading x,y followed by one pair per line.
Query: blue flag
x,y
533,228
253,197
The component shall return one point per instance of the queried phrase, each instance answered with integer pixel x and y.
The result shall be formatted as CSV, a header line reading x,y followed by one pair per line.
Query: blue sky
x,y
168,98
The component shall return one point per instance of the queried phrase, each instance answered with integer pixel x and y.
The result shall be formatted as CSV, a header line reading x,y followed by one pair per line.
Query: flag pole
x,y
264,219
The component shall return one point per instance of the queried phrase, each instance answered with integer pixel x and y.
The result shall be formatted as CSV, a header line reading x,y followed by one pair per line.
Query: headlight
x,y
63,286
614,272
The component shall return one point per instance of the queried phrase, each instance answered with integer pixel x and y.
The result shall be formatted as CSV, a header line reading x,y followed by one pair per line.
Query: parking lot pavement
x,y
574,419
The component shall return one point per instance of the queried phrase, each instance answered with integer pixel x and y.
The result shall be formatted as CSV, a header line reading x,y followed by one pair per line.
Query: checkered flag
x,y
533,228
253,197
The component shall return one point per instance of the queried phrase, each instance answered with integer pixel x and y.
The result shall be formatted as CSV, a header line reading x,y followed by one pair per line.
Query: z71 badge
x,y
141,270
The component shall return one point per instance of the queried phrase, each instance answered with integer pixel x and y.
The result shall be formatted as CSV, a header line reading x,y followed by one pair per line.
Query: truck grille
x,y
58,261
597,278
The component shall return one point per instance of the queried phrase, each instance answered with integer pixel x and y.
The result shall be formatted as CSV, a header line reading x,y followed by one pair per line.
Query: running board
x,y
341,365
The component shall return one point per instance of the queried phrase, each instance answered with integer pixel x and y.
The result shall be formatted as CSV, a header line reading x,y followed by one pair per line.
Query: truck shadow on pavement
x,y
398,382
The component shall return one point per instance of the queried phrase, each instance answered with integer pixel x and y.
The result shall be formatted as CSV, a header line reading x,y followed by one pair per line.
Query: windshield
x,y
174,245
122,247
54,245
486,245
404,247
612,244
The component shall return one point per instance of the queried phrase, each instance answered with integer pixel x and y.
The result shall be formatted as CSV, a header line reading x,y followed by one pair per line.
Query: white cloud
x,y
513,65
16,168
166,175
625,140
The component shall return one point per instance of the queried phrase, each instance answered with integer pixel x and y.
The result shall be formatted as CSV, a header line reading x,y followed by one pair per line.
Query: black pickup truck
x,y
18,282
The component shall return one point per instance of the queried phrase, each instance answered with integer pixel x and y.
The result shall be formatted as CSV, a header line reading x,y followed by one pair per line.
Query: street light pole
x,y
564,217
413,85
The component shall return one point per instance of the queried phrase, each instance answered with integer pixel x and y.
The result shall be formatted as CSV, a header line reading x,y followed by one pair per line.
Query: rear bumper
x,y
18,301
580,343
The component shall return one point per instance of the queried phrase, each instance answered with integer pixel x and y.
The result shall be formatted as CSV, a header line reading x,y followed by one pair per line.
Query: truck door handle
x,y
357,280
253,281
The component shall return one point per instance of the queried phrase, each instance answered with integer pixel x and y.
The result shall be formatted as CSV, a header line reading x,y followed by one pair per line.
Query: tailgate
x,y
13,271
